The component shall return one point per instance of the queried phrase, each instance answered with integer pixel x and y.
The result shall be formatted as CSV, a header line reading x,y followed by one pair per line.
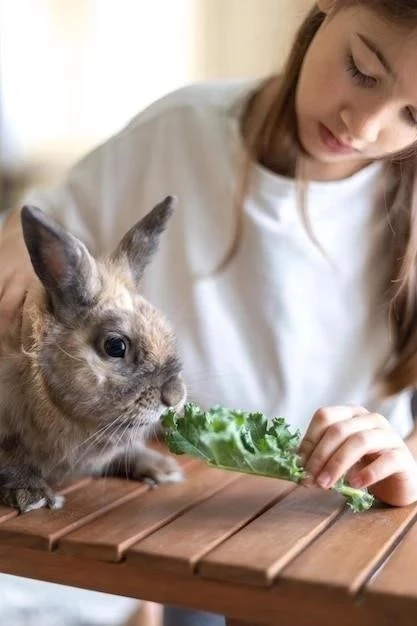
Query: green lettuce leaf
x,y
245,442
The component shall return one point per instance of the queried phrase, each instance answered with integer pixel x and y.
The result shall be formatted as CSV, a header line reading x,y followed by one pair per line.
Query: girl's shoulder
x,y
214,98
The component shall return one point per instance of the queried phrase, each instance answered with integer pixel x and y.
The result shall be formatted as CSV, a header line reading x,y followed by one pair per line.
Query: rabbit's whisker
x,y
86,445
71,356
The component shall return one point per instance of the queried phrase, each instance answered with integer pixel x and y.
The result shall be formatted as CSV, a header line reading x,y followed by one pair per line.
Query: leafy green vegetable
x,y
245,442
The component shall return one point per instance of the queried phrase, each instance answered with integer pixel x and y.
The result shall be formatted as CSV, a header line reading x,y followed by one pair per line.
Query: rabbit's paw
x,y
32,498
155,468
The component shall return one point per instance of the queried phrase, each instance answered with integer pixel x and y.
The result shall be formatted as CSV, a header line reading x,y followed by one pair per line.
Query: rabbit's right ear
x,y
141,242
61,261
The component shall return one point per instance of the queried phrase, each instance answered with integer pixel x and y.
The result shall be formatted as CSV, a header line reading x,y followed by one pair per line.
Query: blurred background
x,y
73,72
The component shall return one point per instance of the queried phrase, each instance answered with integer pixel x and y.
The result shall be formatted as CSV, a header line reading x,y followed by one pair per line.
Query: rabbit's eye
x,y
115,347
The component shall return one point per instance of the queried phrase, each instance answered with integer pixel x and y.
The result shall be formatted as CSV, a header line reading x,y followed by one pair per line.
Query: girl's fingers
x,y
357,446
350,441
335,436
390,462
321,421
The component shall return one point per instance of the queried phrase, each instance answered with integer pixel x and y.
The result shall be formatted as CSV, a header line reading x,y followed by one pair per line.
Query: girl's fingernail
x,y
324,480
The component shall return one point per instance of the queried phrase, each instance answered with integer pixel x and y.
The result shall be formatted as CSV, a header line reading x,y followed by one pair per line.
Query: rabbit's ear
x,y
141,241
61,261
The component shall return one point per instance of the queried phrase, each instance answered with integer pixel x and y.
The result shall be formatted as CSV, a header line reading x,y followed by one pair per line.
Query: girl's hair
x,y
269,120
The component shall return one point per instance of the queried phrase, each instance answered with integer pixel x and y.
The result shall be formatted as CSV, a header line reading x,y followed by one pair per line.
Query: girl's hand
x,y
351,441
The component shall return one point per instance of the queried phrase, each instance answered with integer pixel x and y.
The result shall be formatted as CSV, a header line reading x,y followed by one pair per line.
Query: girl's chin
x,y
319,166
315,153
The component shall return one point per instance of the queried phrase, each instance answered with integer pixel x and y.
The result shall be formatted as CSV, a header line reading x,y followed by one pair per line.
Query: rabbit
x,y
87,368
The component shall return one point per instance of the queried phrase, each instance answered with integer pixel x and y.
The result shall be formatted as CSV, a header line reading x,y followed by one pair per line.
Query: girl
x,y
289,270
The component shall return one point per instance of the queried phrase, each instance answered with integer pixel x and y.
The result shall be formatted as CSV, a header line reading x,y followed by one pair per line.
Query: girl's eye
x,y
363,80
410,117
115,347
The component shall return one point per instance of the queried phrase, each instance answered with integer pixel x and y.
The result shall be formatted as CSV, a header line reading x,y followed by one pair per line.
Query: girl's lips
x,y
332,143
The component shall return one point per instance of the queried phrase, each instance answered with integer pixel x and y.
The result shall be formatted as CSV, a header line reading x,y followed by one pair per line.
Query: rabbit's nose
x,y
173,391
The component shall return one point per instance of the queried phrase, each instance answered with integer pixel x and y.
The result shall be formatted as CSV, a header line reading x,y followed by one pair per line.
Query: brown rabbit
x,y
88,367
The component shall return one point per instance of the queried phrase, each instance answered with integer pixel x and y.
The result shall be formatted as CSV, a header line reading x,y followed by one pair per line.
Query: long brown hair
x,y
269,120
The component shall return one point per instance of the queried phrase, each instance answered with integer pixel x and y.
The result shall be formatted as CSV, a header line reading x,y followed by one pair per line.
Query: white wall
x,y
74,71
247,37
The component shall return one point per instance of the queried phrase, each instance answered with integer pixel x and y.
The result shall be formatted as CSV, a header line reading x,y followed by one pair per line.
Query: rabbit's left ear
x,y
62,262
141,241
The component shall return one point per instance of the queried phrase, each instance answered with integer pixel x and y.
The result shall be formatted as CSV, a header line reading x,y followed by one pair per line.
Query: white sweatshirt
x,y
283,329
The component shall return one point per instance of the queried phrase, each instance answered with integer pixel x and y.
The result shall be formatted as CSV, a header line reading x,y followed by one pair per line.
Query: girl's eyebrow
x,y
377,52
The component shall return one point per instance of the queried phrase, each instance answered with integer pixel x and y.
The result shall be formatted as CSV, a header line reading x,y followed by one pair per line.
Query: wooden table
x,y
258,550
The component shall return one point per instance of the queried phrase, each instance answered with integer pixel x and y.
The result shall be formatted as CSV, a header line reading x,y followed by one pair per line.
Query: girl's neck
x,y
315,170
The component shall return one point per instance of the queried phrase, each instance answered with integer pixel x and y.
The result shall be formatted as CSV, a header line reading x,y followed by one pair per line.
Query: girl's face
x,y
356,98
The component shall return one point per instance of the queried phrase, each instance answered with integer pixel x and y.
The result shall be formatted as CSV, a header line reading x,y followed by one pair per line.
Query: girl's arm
x,y
16,271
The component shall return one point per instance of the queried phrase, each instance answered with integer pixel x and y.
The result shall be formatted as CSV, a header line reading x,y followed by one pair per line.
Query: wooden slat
x,y
345,555
107,538
264,605
257,553
178,546
398,576
7,512
238,622
73,485
42,528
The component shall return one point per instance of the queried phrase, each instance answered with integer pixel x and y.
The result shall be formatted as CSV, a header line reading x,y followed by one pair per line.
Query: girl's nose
x,y
361,126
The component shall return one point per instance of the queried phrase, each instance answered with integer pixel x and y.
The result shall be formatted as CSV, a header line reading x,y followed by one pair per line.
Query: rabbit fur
x,y
87,367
